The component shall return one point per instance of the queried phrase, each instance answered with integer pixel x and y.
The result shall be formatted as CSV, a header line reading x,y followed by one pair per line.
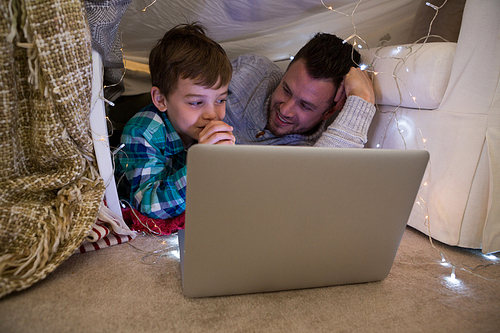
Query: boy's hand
x,y
217,132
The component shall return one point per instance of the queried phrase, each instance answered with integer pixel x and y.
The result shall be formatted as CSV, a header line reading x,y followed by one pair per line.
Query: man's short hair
x,y
327,57
186,52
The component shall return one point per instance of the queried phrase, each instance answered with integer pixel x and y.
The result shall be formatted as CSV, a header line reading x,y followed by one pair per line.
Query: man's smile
x,y
282,119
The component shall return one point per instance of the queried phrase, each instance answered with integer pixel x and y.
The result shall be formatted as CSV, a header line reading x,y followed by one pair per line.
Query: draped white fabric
x,y
460,123
274,28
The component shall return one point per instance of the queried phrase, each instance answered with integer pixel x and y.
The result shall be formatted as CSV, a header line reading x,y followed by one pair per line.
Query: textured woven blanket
x,y
50,191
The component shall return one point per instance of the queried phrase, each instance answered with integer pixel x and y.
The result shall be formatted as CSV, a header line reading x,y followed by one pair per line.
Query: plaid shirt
x,y
153,165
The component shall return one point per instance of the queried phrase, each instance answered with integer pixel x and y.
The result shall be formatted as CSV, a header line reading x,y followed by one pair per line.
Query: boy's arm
x,y
157,176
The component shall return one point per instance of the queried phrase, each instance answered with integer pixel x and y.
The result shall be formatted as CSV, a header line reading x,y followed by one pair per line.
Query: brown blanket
x,y
50,191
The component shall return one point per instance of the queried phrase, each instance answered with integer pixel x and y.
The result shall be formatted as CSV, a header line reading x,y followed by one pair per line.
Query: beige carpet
x,y
120,289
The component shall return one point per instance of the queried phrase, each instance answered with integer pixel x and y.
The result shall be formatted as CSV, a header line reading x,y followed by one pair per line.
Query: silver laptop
x,y
270,218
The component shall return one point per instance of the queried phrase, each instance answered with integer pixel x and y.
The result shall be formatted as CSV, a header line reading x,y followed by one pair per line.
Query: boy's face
x,y
191,107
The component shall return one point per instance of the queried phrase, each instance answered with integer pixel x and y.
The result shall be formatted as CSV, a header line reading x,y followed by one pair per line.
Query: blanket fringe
x,y
19,19
51,232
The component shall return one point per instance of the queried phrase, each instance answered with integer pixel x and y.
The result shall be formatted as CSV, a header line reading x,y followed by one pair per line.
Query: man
x,y
267,106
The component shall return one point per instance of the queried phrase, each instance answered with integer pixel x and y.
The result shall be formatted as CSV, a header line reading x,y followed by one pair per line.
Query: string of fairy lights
x,y
358,41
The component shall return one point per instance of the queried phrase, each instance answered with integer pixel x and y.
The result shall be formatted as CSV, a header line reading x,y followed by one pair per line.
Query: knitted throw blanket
x,y
50,191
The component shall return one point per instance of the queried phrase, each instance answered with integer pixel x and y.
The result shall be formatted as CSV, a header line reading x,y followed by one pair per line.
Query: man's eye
x,y
221,101
305,107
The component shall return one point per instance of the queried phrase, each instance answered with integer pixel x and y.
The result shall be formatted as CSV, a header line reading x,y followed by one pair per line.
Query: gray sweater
x,y
254,80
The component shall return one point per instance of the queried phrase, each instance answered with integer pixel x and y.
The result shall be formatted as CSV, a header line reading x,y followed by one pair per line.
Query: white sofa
x,y
445,97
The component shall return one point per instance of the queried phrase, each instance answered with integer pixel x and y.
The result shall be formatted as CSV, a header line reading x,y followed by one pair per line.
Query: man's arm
x,y
356,98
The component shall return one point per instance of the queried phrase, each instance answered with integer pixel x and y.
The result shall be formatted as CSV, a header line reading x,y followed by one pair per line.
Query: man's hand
x,y
355,83
217,133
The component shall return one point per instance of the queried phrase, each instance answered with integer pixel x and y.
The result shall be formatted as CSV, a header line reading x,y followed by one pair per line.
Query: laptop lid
x,y
269,218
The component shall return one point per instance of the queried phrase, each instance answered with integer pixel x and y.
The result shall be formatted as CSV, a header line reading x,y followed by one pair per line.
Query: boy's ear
x,y
158,99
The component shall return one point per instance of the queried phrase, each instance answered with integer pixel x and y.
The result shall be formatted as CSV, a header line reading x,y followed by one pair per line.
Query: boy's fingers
x,y
218,138
225,142
214,127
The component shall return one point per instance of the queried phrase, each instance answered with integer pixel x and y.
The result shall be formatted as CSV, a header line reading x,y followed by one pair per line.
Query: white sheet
x,y
274,28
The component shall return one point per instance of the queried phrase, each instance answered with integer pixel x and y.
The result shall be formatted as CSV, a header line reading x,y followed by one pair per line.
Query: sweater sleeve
x,y
350,128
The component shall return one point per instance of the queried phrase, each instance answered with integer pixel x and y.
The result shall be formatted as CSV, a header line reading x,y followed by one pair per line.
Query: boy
x,y
190,74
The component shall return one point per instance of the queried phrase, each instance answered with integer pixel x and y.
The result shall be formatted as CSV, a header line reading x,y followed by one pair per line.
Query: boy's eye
x,y
220,101
196,103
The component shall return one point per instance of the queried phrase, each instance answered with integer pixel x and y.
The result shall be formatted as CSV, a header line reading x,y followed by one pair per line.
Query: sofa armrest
x,y
411,76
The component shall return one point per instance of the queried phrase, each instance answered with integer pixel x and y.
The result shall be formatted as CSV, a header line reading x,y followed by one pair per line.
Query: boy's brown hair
x,y
186,52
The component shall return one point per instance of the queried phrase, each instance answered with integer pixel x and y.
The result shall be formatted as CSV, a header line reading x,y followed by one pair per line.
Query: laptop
x,y
272,218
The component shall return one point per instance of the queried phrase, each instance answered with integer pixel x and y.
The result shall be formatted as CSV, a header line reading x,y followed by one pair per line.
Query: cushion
x,y
411,76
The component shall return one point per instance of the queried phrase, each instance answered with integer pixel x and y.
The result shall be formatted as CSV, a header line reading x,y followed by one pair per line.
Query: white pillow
x,y
422,72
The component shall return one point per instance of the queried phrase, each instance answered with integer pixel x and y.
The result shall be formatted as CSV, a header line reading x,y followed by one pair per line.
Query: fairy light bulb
x,y
120,147
490,257
349,38
444,262
432,6
152,3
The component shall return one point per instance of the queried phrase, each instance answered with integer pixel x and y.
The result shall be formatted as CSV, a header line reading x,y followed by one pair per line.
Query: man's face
x,y
300,102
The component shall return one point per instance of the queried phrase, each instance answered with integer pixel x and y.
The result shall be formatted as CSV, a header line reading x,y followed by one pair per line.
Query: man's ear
x,y
158,99
329,113
340,98
336,108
